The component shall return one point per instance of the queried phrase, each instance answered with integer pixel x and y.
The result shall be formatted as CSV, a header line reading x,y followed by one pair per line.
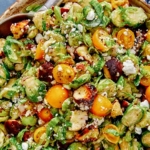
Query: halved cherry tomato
x,y
39,54
148,36
63,73
126,38
101,106
117,3
145,81
106,72
111,133
147,93
45,114
99,37
56,96
38,133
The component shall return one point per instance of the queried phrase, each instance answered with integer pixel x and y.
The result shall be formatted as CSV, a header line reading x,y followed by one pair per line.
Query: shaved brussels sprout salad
x,y
77,77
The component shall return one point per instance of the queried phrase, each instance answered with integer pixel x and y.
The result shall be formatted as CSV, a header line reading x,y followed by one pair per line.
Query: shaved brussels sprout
x,y
107,87
145,138
75,13
42,19
77,146
56,51
80,81
28,121
148,24
134,16
75,38
124,91
66,26
10,49
116,17
9,91
132,115
4,74
8,63
57,37
35,89
98,63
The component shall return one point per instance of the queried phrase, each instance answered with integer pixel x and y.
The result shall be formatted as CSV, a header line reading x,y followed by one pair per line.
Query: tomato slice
x,y
56,95
148,36
117,3
101,106
45,114
63,73
147,93
111,133
126,38
106,72
38,133
99,39
39,54
145,81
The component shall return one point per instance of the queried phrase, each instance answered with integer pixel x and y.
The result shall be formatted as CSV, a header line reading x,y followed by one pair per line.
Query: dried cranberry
x,y
115,68
27,135
45,72
13,126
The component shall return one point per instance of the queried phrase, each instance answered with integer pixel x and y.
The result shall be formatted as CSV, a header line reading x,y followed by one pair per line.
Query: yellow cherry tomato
x,y
106,72
148,36
111,133
145,81
126,38
147,93
45,114
38,133
101,106
117,3
99,39
39,54
63,73
56,96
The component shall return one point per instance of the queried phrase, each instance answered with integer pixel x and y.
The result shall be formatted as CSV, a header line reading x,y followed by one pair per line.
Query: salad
x,y
77,77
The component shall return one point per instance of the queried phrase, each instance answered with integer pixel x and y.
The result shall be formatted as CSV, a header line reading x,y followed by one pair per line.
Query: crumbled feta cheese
x,y
53,82
125,33
104,94
39,98
121,50
133,51
24,146
38,37
128,67
148,57
60,68
145,103
38,147
138,130
40,122
73,29
148,128
98,121
91,15
47,57
39,107
78,120
28,113
80,27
